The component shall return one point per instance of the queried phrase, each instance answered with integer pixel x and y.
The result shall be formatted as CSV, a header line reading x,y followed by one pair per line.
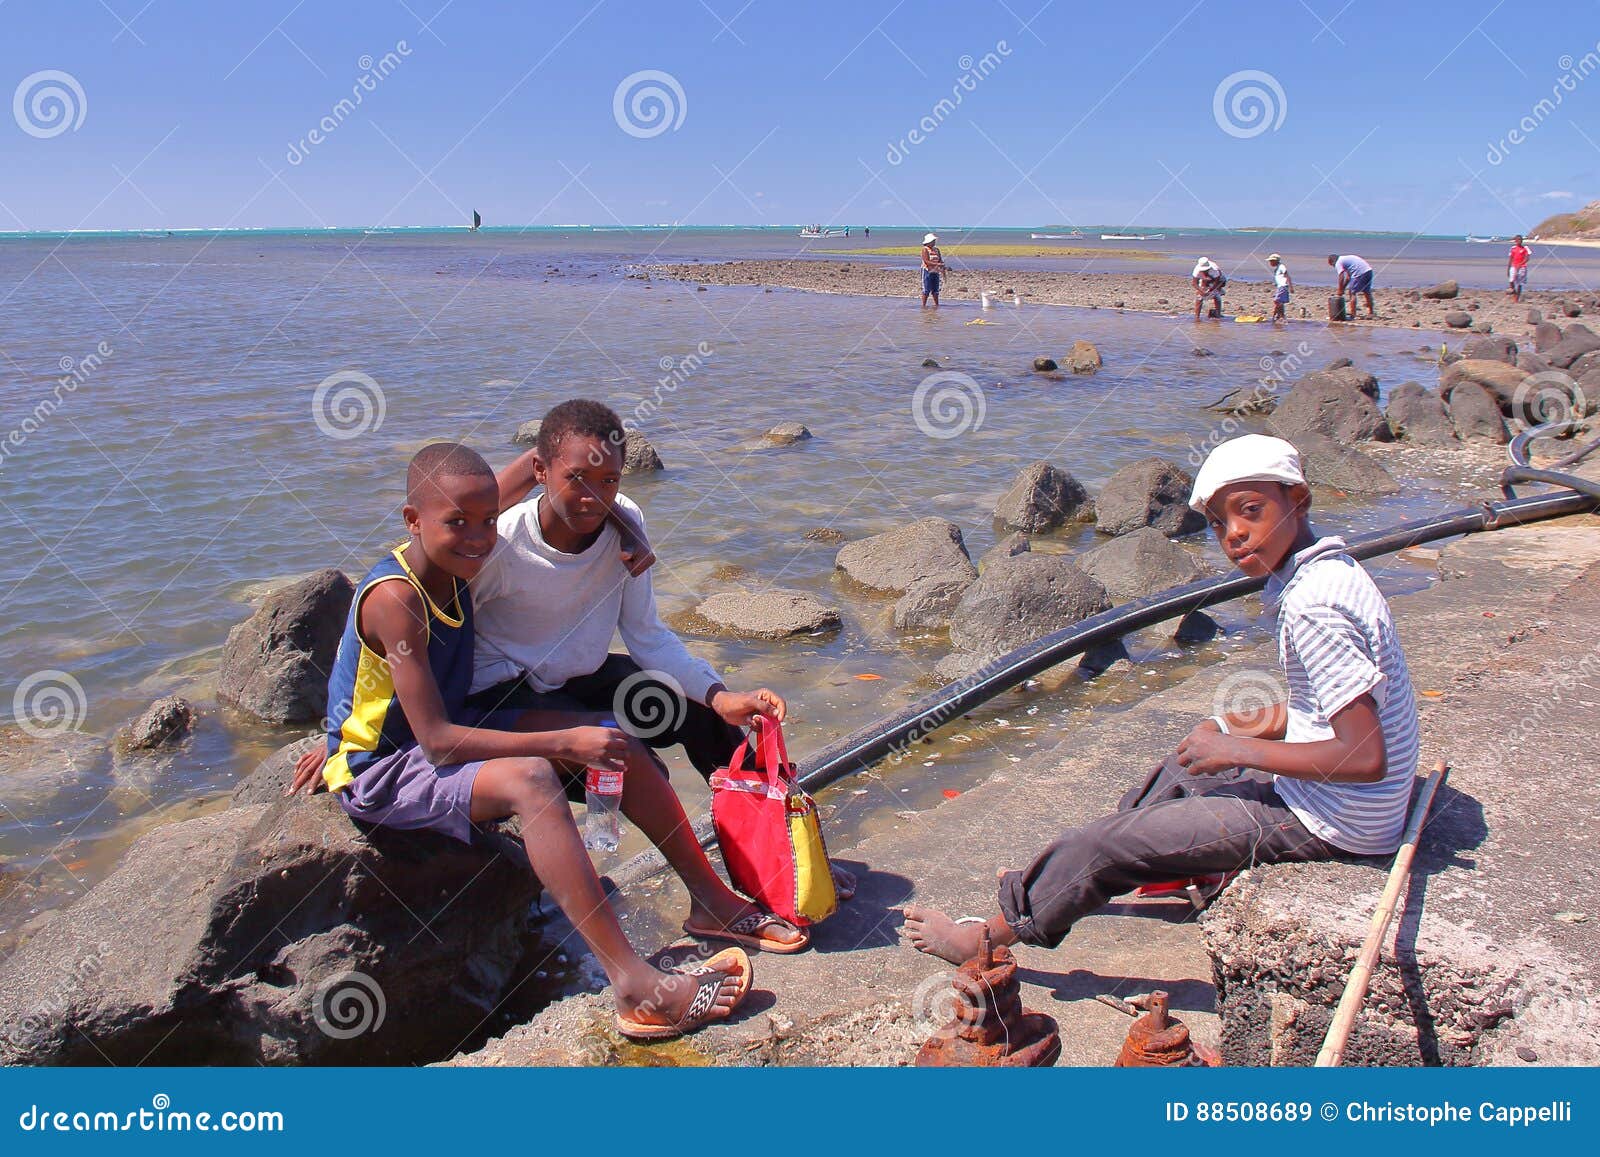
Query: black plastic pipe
x,y
898,732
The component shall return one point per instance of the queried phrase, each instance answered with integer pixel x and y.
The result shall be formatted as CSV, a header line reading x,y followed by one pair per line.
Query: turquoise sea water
x,y
165,450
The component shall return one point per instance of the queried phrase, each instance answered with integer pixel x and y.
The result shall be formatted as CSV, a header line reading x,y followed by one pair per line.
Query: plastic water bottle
x,y
602,830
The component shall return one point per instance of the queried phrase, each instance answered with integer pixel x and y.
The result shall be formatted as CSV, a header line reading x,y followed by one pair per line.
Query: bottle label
x,y
603,781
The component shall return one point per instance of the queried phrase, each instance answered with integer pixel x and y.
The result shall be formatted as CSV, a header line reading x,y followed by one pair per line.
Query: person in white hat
x,y
1326,771
1282,286
1208,283
933,269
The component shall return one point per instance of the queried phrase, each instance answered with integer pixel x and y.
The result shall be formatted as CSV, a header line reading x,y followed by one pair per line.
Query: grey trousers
x,y
1172,826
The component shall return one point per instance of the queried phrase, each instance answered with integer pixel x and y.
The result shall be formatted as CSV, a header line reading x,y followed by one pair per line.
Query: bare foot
x,y
933,932
664,997
844,883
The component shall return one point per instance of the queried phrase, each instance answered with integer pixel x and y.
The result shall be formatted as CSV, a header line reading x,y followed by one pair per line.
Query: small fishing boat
x,y
477,222
1133,236
1075,235
1481,240
814,232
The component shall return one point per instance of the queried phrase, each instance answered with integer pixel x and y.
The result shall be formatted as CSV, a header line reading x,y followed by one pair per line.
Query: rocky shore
x,y
1401,307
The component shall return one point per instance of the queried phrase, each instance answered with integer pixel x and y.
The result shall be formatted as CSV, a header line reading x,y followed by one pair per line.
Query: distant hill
x,y
1585,223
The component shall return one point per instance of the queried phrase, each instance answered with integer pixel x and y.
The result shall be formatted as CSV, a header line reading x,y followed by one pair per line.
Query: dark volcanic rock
x,y
892,561
639,456
283,935
1418,416
1043,365
1021,598
1149,492
1457,319
928,603
1140,563
1576,340
768,614
275,664
1496,349
1444,291
1327,463
1042,498
1475,414
164,724
1332,405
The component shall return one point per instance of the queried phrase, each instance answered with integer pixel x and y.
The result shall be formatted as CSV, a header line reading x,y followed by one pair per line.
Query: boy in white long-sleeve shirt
x,y
556,591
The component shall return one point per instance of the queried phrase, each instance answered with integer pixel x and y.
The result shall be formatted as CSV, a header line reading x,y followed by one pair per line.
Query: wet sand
x,y
1398,307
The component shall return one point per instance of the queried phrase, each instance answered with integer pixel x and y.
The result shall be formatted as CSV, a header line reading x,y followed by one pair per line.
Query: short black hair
x,y
583,417
1332,258
441,460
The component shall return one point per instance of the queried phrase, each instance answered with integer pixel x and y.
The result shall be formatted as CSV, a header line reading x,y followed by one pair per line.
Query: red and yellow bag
x,y
769,832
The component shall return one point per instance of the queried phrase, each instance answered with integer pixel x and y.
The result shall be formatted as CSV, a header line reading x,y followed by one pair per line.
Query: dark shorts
x,y
930,281
1361,283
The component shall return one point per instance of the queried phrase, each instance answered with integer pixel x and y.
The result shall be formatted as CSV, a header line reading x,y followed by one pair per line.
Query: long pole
x,y
1355,990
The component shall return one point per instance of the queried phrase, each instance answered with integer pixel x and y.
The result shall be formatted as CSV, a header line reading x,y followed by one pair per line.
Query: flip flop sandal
x,y
746,931
730,962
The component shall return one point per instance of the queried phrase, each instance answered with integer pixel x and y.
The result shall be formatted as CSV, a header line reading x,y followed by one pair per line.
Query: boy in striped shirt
x,y
1324,773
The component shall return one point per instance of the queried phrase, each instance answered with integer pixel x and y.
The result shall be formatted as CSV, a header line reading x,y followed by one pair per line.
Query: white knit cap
x,y
1251,458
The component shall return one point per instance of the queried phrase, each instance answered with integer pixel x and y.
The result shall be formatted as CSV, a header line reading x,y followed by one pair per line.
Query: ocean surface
x,y
186,419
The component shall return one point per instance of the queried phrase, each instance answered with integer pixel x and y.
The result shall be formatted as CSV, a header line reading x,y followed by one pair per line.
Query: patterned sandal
x,y
746,932
730,962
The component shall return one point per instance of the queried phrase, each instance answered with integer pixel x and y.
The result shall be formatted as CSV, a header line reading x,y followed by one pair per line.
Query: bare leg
x,y
649,801
530,790
931,931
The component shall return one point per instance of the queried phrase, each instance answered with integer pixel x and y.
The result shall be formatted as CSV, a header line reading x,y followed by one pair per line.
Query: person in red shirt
x,y
1517,268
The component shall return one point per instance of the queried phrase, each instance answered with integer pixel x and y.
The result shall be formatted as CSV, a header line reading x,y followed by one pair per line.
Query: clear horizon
x,y
1322,117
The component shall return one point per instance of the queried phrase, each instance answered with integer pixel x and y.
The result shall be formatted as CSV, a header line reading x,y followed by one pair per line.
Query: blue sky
x,y
1383,116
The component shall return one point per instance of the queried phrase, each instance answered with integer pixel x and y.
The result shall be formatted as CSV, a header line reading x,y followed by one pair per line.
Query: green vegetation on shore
x,y
1584,223
1001,251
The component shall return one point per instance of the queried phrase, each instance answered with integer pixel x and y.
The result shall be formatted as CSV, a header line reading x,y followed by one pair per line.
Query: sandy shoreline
x,y
1162,293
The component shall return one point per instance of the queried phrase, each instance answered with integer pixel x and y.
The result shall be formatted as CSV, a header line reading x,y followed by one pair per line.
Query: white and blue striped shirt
x,y
1337,641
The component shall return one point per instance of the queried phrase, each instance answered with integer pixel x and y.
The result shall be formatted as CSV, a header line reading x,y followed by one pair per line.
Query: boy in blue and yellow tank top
x,y
404,751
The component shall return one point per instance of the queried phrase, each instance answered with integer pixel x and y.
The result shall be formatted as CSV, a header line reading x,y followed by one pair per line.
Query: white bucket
x,y
983,296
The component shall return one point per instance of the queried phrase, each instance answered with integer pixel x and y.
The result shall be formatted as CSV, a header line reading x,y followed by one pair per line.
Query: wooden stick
x,y
1355,989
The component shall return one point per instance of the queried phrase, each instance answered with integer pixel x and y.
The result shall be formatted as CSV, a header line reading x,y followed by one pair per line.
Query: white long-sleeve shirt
x,y
551,616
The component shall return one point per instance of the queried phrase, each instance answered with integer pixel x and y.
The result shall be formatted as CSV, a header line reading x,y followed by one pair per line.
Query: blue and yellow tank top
x,y
365,721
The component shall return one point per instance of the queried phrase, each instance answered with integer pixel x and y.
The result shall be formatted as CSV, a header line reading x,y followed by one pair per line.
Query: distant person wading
x,y
933,269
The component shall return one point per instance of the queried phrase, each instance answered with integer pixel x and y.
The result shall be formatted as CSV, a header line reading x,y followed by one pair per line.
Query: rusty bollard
x,y
991,1028
1156,1039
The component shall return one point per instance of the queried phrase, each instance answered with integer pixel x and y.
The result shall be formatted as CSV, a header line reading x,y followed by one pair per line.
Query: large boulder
x,y
1418,416
1576,340
892,561
1334,405
1546,336
275,664
768,614
1497,377
273,933
1475,413
1327,463
1150,492
1491,348
1018,599
1140,563
785,434
1042,498
1444,291
1458,319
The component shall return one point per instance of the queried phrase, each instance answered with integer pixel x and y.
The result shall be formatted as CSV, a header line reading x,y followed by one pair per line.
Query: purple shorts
x,y
403,790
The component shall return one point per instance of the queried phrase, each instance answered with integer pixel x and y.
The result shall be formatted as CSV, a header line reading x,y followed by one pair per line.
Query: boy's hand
x,y
308,769
637,555
596,747
1206,751
739,707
